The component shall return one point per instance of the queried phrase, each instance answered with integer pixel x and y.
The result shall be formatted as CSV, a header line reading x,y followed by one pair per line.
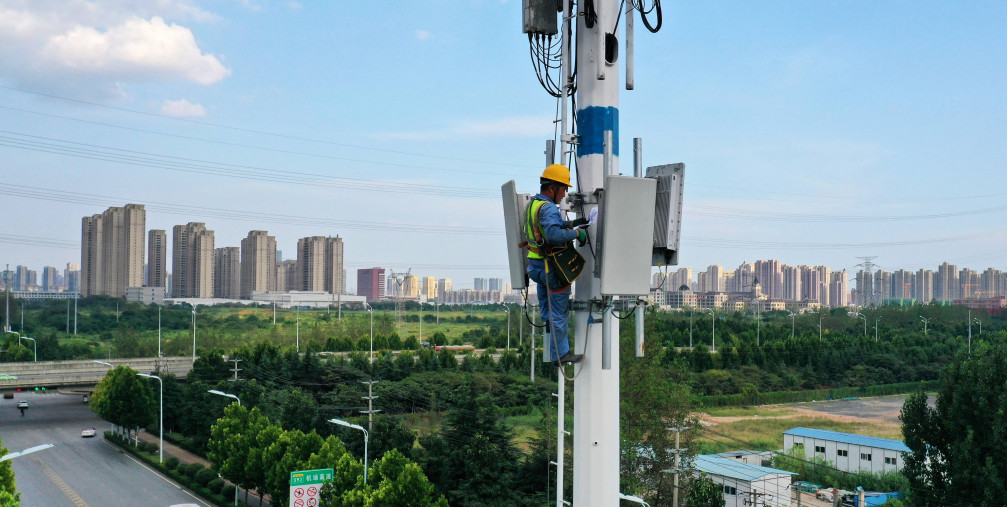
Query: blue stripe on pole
x,y
592,122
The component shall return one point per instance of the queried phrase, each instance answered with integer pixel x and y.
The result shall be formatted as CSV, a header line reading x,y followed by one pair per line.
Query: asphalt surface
x,y
77,471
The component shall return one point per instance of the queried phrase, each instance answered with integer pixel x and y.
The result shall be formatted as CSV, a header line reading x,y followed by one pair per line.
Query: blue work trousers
x,y
555,304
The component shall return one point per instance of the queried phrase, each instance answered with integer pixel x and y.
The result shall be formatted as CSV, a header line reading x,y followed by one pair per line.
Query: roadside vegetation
x,y
474,424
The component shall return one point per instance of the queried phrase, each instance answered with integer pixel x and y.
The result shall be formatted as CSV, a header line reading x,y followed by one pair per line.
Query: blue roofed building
x,y
745,484
848,451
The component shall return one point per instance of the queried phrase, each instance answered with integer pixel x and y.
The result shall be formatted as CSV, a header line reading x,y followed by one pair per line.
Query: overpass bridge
x,y
79,376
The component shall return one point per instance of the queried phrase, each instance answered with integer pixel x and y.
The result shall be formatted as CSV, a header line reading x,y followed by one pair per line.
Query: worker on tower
x,y
553,263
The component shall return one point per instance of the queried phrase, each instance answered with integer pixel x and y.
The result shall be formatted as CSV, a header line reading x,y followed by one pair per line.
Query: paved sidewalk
x,y
185,456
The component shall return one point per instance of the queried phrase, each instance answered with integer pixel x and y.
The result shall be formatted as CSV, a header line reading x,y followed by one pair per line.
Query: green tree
x,y
288,453
703,492
957,445
9,497
653,396
232,440
124,399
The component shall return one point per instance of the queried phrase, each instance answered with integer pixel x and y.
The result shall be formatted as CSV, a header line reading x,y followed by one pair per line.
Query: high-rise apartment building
x,y
49,282
227,272
443,287
811,284
714,280
428,287
480,284
791,283
839,289
258,263
989,283
157,258
371,283
969,281
320,264
192,261
903,282
90,256
71,277
824,278
924,285
946,286
770,275
112,250
411,286
286,275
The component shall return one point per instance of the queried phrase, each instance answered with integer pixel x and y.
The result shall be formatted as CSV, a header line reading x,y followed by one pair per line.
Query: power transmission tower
x,y
400,297
869,268
370,404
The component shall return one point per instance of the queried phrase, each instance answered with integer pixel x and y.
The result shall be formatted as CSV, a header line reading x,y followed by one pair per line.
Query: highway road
x,y
77,471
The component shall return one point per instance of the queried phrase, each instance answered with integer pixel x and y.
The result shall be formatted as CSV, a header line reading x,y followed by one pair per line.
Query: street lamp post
x,y
820,315
692,312
862,316
35,345
193,332
793,324
356,427
713,330
508,326
876,329
370,310
160,424
222,393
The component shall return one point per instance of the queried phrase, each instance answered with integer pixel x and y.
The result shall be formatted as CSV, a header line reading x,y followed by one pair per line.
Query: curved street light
x,y
356,427
35,346
160,424
793,324
222,393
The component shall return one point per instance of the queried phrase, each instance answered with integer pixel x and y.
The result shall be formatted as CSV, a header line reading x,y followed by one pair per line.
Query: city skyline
x,y
812,132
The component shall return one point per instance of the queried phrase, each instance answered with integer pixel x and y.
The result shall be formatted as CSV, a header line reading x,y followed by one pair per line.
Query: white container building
x,y
848,451
745,484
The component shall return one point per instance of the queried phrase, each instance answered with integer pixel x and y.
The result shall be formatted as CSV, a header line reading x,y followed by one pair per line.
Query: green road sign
x,y
305,477
305,486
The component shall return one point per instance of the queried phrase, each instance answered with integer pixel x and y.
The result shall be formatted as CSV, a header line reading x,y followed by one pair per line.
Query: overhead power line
x,y
28,192
254,131
254,147
181,164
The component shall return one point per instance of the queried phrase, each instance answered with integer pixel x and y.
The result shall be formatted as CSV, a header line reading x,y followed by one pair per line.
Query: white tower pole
x,y
596,390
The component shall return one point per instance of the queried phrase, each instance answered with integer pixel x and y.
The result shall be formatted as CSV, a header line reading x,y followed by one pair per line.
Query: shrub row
x,y
757,398
194,476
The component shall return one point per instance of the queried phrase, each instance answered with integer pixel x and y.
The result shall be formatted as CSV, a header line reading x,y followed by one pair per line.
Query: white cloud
x,y
294,5
517,126
422,35
96,47
182,108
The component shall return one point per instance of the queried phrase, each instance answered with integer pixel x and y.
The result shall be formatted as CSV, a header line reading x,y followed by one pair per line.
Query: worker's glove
x,y
581,237
580,222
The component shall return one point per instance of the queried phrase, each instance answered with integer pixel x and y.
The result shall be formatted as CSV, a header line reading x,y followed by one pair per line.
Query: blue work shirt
x,y
556,230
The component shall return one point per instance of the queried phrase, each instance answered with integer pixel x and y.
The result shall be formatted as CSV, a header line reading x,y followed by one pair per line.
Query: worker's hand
x,y
581,237
580,222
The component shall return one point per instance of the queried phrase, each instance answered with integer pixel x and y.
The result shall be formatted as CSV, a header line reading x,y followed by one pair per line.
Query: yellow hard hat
x,y
558,173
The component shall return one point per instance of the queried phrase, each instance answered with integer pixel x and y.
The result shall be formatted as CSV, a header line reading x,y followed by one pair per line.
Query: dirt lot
x,y
883,408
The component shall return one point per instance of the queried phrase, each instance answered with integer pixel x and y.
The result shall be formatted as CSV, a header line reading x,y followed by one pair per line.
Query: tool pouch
x,y
567,263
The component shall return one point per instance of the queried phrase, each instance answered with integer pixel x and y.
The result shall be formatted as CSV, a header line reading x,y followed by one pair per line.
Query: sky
x,y
812,132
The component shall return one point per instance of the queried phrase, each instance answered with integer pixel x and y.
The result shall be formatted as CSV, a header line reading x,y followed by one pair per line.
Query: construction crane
x,y
965,290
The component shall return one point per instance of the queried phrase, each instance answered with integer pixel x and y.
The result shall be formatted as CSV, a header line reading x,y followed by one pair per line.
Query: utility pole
x,y
925,322
970,333
678,463
869,268
370,404
6,284
236,369
75,297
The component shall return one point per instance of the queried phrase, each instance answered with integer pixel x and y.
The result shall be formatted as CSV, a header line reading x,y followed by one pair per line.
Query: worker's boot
x,y
569,358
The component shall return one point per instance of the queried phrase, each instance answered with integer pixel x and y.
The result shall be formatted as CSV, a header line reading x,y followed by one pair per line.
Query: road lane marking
x,y
63,486
155,472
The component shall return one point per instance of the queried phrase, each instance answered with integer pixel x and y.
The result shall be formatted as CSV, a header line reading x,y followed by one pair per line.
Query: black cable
x,y
646,22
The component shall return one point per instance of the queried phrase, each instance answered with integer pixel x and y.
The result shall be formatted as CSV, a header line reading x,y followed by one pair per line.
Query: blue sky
x,y
813,132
